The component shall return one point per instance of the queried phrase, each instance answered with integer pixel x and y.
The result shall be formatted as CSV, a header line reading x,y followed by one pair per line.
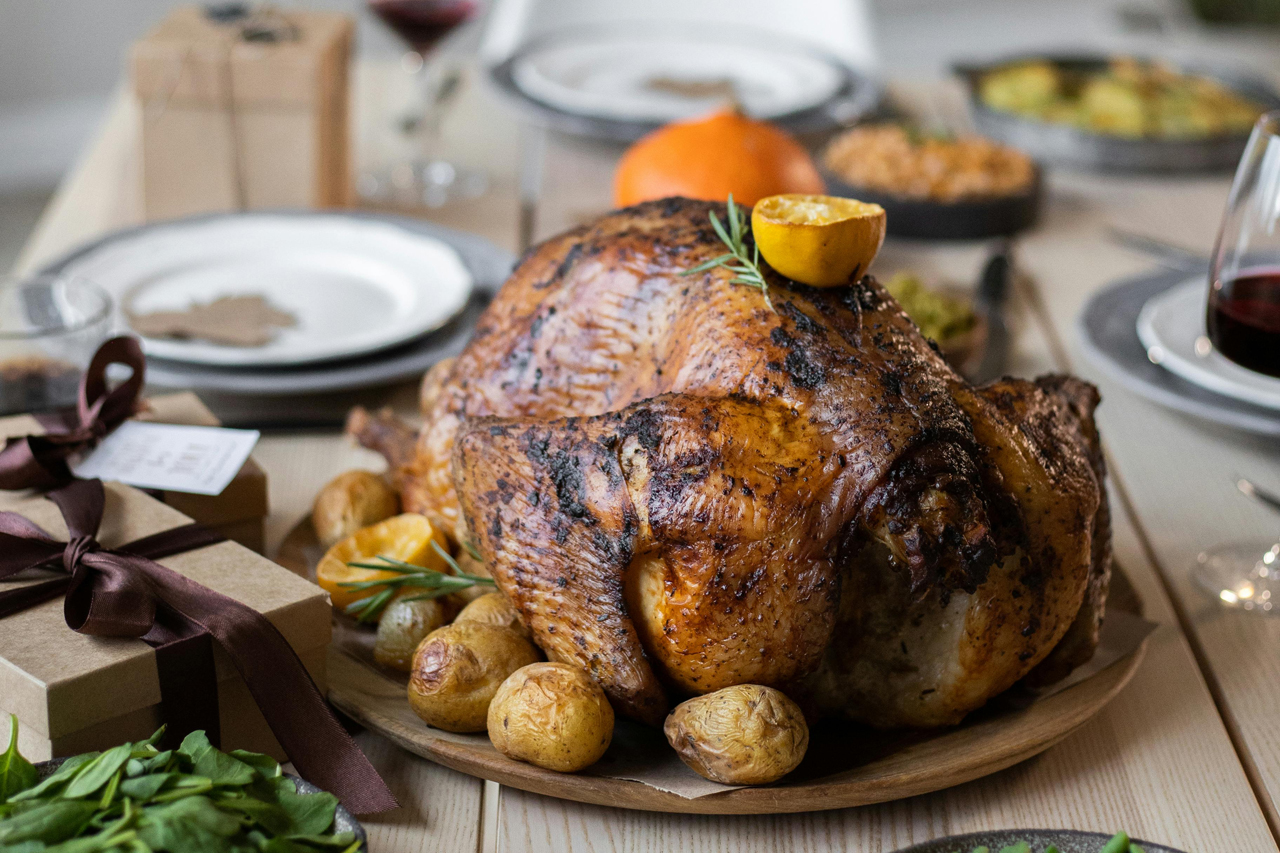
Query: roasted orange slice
x,y
406,537
820,240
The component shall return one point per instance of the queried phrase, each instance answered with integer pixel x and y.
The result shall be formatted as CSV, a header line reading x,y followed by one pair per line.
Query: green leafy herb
x,y
743,264
434,584
136,798
16,773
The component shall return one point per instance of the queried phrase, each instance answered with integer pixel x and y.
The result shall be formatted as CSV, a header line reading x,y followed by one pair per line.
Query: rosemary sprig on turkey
x,y
435,584
745,265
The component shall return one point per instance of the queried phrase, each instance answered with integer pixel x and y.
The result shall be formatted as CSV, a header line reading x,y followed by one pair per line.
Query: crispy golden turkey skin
x,y
681,489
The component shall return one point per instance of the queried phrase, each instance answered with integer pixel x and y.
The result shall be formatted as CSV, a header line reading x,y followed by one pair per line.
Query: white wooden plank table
x,y
1159,762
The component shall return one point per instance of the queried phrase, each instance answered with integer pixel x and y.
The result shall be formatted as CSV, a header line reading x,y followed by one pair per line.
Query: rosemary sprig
x,y
435,584
747,267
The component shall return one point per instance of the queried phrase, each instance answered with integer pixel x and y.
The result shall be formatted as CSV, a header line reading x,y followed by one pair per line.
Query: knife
x,y
989,301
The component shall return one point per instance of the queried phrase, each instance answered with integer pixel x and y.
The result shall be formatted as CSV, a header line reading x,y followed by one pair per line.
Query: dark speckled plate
x,y
1066,840
343,820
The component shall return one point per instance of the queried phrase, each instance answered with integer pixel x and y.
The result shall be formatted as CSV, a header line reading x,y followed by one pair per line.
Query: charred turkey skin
x,y
681,489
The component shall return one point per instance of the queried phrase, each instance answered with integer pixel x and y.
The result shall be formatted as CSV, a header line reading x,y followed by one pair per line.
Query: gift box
x,y
243,110
73,692
238,513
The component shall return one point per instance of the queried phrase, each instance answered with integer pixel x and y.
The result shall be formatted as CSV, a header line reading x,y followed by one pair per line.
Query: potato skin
x,y
352,500
551,715
458,668
494,609
747,734
403,626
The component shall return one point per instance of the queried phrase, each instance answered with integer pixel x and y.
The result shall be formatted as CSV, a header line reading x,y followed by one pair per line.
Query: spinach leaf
x,y
221,768
60,777
52,822
16,773
145,787
98,772
193,825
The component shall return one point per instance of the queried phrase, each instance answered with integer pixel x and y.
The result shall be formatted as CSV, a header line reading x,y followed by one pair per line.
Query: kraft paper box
x,y
237,513
72,692
247,113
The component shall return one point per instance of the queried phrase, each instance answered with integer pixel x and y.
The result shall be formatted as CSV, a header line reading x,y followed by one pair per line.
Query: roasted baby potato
x,y
458,668
552,715
741,735
402,627
493,608
350,501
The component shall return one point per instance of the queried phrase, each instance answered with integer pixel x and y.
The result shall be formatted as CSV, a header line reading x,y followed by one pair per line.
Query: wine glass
x,y
427,179
1243,324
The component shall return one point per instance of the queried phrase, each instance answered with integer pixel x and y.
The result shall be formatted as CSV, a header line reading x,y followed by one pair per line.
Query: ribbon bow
x,y
40,461
123,592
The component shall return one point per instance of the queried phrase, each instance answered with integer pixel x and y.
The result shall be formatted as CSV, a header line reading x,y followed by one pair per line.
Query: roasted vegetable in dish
x,y
747,734
352,500
136,797
939,315
551,715
1129,98
899,161
457,670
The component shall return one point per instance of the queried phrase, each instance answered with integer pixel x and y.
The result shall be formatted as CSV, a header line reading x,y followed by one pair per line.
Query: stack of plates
x,y
376,299
1149,334
619,81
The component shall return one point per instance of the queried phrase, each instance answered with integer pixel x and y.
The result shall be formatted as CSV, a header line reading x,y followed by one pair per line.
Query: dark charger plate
x,y
972,219
1066,840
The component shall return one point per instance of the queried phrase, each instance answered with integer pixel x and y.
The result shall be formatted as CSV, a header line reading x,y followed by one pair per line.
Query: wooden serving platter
x,y
846,765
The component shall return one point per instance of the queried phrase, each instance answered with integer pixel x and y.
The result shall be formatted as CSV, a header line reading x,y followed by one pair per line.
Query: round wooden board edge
x,y
818,795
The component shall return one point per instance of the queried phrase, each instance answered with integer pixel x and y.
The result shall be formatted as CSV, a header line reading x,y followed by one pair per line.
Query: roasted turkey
x,y
681,488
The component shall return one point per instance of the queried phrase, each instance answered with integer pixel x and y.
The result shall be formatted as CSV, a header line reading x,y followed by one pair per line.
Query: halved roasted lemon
x,y
820,240
406,537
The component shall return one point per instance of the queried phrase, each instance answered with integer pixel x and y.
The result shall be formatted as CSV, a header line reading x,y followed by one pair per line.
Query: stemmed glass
x,y
1244,325
427,179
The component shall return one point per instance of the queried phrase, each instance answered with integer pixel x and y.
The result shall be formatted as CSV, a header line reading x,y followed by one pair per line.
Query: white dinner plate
x,y
661,75
354,285
1172,328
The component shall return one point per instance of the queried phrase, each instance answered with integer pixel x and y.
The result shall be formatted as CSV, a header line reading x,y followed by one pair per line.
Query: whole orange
x,y
711,157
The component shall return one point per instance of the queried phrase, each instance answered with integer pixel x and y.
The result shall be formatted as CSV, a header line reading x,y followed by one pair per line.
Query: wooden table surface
x,y
1187,755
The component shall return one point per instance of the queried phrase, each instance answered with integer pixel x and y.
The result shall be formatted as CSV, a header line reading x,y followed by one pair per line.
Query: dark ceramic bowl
x,y
343,820
1066,840
967,219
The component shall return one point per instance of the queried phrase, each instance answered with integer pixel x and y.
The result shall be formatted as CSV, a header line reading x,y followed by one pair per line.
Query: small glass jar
x,y
50,327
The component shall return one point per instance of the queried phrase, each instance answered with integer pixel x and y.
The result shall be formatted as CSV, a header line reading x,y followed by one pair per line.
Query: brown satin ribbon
x,y
122,592
40,461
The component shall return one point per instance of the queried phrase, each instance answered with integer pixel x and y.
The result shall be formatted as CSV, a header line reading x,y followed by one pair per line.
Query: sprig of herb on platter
x,y
434,584
138,798
743,264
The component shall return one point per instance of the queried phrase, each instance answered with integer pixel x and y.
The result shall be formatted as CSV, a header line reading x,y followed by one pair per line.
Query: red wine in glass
x,y
1244,319
422,23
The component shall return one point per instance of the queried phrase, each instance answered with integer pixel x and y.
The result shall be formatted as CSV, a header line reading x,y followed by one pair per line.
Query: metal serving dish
x,y
1064,145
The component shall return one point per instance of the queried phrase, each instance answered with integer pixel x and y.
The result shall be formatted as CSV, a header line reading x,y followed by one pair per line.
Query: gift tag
x,y
196,459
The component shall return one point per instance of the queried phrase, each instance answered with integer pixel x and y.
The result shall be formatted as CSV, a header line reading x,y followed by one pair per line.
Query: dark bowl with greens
x,y
137,797
1038,841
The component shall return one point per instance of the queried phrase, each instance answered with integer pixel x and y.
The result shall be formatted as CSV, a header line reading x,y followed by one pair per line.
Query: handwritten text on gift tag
x,y
196,459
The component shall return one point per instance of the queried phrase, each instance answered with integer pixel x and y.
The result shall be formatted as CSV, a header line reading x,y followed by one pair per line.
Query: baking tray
x,y
1064,145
